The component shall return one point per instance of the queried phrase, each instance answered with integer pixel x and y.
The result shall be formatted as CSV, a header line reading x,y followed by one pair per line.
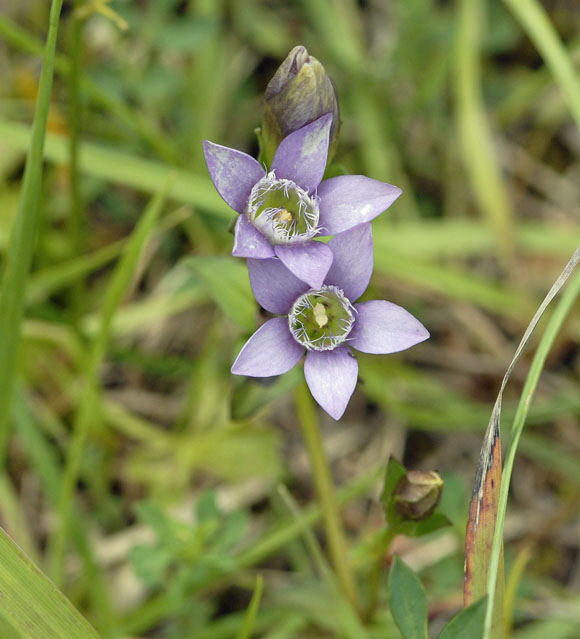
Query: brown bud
x,y
417,494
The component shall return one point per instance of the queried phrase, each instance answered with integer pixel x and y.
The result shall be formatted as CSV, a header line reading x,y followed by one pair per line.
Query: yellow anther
x,y
284,215
320,315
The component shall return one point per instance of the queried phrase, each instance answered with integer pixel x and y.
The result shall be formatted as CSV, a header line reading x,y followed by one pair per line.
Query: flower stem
x,y
376,571
324,487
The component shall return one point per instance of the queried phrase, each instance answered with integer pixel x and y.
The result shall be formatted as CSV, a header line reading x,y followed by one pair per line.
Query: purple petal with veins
x,y
233,173
301,156
383,327
349,200
309,261
353,261
275,287
270,351
331,377
249,242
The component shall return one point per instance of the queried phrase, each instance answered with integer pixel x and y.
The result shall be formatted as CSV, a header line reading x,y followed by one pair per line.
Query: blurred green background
x,y
176,502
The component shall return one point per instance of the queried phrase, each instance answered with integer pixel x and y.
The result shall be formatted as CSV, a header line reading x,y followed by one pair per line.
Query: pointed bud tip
x,y
300,92
418,494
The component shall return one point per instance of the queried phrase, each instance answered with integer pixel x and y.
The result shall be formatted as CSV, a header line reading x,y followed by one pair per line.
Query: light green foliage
x,y
185,557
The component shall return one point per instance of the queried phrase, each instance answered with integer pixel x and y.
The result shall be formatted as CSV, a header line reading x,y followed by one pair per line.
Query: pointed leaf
x,y
407,601
466,623
394,473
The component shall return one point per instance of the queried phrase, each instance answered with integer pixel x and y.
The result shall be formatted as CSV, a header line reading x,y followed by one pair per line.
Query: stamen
x,y
320,315
321,319
283,211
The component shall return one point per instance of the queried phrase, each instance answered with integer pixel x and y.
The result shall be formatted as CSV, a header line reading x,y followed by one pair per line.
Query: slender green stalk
x,y
475,135
376,571
553,327
252,611
21,245
76,204
325,489
536,22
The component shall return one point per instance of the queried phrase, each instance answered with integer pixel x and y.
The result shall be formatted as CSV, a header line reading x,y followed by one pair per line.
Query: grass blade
x,y
31,603
532,16
475,136
21,245
493,429
251,613
481,524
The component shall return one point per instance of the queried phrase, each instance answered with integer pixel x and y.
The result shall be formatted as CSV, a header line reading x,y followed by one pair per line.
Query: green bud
x,y
417,494
300,92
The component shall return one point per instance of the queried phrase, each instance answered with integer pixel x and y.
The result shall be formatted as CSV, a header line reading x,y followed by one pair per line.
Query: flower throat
x,y
282,211
321,319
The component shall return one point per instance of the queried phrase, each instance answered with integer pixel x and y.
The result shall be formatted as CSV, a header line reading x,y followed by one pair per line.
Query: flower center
x,y
321,319
283,211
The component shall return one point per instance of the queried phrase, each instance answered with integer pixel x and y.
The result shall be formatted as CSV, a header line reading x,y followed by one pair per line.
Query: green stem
x,y
326,495
76,204
376,570
23,236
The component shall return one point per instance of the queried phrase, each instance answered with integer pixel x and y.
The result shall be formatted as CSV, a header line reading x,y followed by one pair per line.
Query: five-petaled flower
x,y
282,210
323,322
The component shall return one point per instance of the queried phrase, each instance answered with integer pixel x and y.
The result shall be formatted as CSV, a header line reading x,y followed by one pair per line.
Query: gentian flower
x,y
284,209
324,322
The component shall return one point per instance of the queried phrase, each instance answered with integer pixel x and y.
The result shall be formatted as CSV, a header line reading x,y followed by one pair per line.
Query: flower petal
x,y
348,200
270,351
301,156
309,261
249,242
233,173
384,327
274,287
353,261
331,377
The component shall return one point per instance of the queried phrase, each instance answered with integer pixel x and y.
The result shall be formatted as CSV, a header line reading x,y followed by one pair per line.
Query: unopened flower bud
x,y
300,92
417,494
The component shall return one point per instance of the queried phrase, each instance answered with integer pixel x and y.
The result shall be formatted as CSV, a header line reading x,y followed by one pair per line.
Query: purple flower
x,y
323,322
283,210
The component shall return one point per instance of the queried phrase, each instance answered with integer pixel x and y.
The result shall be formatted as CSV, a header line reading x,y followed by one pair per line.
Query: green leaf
x,y
434,522
206,507
31,603
394,473
154,517
407,601
226,281
466,623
